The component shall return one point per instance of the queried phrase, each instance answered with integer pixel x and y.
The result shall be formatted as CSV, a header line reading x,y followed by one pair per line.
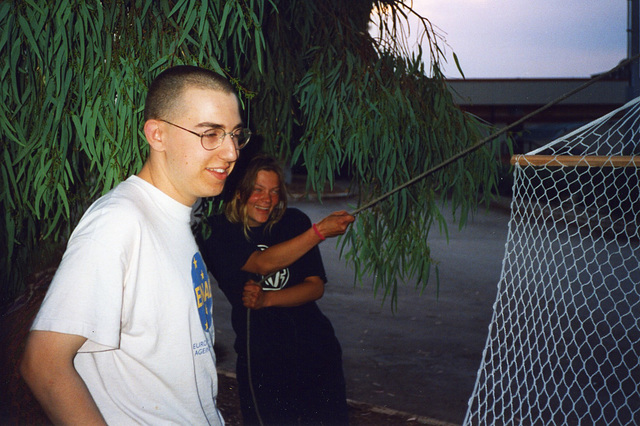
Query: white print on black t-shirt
x,y
278,280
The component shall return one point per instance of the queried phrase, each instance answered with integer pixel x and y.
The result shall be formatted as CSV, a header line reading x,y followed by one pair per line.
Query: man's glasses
x,y
213,138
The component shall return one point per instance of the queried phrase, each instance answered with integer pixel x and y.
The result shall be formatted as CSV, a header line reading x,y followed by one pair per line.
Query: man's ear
x,y
154,135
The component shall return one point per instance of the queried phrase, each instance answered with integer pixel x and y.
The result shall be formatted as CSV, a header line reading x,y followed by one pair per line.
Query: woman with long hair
x,y
291,370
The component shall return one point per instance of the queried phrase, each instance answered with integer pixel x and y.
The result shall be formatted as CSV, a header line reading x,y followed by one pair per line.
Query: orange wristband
x,y
315,228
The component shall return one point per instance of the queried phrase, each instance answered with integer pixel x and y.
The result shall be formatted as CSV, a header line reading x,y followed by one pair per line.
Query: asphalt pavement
x,y
422,359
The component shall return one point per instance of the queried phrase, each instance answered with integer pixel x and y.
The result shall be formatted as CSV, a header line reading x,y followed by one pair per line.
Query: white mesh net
x,y
564,341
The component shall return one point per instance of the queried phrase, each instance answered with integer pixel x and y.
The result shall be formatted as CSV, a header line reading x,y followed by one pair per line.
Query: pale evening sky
x,y
527,38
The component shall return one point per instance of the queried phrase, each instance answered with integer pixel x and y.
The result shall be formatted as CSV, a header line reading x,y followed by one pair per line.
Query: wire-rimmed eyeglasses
x,y
213,138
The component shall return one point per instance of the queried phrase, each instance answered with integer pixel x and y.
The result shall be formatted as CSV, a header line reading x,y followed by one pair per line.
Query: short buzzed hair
x,y
165,93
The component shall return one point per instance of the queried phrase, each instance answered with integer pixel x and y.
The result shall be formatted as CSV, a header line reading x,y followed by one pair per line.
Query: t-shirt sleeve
x,y
85,297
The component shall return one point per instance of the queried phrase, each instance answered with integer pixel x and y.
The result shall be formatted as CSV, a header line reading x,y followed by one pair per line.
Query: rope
x,y
436,168
483,142
491,137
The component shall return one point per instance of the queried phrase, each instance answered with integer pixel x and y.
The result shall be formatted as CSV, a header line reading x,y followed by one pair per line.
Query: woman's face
x,y
264,197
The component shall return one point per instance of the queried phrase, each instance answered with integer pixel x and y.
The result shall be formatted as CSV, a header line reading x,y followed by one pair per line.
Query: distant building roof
x,y
506,100
537,91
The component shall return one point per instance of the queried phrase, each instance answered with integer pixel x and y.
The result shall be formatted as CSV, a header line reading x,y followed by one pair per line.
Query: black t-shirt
x,y
278,333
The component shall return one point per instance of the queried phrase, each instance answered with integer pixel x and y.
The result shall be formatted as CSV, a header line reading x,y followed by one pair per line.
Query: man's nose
x,y
228,150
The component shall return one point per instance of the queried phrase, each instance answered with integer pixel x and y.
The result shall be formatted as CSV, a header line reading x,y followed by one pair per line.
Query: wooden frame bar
x,y
575,160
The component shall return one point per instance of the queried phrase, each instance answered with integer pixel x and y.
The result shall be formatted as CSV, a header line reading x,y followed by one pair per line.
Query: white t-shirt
x,y
134,284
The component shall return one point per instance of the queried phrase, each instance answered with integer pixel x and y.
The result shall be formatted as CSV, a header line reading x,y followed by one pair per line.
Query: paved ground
x,y
422,360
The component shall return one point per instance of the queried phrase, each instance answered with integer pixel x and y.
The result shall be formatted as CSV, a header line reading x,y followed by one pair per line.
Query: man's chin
x,y
213,191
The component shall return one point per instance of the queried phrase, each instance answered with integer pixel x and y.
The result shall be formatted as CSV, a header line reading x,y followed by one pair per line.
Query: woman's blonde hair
x,y
236,208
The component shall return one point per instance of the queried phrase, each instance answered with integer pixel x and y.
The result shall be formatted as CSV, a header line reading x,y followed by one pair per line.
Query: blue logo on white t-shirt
x,y
202,290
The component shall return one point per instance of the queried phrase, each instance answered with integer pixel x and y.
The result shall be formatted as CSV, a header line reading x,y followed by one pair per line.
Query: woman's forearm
x,y
312,288
284,254
281,255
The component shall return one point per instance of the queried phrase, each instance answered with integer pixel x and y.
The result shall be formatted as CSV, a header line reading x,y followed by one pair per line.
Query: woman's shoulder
x,y
296,215
217,220
221,227
293,212
295,220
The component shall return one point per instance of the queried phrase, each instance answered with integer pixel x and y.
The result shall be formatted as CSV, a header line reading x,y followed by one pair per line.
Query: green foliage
x,y
73,77
365,105
318,92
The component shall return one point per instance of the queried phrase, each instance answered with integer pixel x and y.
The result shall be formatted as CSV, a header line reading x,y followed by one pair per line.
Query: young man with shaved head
x,y
125,333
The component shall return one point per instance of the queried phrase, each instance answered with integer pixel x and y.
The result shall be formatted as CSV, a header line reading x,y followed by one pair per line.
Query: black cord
x,y
253,394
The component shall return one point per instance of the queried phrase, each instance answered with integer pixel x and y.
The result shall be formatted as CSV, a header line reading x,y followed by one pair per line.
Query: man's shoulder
x,y
123,206
129,196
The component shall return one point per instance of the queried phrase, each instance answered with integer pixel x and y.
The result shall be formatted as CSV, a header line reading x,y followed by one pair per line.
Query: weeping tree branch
x,y
323,95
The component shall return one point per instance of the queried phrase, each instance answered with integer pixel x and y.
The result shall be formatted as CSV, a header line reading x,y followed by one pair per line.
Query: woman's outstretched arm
x,y
284,254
